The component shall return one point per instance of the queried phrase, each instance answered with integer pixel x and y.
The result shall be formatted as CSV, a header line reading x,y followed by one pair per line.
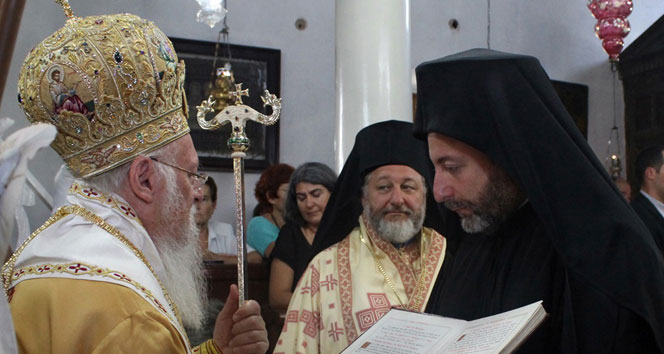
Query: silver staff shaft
x,y
238,177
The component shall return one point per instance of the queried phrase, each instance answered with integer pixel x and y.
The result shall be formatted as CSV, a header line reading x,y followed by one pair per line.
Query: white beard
x,y
395,231
181,255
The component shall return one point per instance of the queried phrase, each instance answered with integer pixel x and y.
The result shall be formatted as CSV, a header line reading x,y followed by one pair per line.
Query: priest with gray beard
x,y
375,253
117,269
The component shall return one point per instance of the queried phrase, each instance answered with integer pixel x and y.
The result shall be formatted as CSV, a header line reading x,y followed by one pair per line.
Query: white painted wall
x,y
559,32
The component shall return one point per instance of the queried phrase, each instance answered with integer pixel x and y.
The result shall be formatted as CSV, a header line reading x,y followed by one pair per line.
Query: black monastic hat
x,y
385,143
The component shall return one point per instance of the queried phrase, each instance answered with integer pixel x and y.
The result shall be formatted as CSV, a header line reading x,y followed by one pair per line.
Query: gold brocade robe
x,y
343,292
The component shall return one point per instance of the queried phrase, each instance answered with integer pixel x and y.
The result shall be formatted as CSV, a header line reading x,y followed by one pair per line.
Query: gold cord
x,y
420,282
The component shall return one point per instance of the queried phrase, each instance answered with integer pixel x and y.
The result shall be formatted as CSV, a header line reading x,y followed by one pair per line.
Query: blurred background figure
x,y
217,239
649,201
15,151
624,188
308,192
270,192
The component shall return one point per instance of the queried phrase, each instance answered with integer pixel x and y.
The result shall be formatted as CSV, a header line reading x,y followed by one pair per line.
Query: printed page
x,y
404,332
491,334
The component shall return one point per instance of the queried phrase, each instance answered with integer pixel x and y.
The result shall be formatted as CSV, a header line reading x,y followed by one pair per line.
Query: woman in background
x,y
270,192
308,192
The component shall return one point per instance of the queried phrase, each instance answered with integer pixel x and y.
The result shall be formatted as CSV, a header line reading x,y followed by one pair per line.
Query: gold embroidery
x,y
416,299
8,268
207,347
113,87
78,268
91,193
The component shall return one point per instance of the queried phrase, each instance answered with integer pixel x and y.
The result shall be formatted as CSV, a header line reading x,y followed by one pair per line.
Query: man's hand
x,y
240,330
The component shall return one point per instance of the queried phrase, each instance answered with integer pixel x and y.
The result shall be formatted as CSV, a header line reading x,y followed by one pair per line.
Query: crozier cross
x,y
238,93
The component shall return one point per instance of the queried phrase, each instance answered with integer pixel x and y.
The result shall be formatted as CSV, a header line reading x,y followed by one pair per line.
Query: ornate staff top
x,y
238,115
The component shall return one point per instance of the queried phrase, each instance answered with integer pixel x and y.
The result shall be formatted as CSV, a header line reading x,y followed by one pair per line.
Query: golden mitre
x,y
112,86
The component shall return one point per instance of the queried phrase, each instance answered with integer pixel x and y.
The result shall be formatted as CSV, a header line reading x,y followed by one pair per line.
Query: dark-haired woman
x,y
308,192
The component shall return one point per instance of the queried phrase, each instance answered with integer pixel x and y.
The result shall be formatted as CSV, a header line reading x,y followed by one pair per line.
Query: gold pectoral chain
x,y
8,268
420,282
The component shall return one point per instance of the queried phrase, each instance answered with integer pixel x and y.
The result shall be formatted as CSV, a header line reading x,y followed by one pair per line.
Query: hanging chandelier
x,y
222,81
611,27
211,12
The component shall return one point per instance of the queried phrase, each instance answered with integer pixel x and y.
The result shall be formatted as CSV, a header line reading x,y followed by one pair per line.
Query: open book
x,y
404,332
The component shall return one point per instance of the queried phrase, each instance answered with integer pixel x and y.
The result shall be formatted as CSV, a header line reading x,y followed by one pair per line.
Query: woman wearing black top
x,y
309,189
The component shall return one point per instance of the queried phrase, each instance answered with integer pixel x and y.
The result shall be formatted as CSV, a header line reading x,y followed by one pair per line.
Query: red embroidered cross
x,y
378,306
43,269
78,267
329,283
90,192
291,317
312,319
305,289
335,331
127,211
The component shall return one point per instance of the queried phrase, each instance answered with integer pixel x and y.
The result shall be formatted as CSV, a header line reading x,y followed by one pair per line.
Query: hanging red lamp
x,y
612,25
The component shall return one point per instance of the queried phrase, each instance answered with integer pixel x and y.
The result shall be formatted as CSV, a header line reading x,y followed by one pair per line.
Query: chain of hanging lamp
x,y
222,80
488,24
614,163
222,37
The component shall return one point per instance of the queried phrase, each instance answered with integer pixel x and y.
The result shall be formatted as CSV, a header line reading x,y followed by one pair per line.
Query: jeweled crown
x,y
112,86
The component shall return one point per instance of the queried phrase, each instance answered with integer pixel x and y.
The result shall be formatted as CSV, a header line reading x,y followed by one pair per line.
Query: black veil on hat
x,y
505,106
385,143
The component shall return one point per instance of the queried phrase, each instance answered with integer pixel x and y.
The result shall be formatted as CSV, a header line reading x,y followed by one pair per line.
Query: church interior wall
x,y
560,33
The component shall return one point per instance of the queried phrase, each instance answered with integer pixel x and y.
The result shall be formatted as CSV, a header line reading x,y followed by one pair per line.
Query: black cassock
x,y
516,266
577,244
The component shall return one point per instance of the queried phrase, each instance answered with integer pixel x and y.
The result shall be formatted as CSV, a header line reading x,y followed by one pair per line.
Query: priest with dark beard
x,y
537,216
374,251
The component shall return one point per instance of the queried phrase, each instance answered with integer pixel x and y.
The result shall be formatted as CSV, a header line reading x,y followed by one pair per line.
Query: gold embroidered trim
x,y
435,254
8,268
78,268
92,193
416,298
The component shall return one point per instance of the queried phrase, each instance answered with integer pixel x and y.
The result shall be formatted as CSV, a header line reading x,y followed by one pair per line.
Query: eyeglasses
x,y
197,179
